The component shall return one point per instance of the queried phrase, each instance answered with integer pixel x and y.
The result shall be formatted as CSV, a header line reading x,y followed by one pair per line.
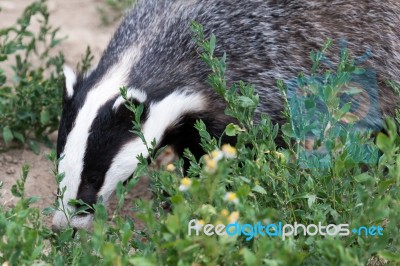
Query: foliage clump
x,y
31,89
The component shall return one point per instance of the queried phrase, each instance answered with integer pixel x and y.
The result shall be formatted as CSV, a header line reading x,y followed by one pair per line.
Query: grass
x,y
253,181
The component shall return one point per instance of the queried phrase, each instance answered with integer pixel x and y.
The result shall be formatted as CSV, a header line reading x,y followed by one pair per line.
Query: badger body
x,y
153,55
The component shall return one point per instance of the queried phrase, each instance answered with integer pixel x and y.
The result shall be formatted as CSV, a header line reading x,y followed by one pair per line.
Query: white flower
x,y
170,167
231,197
211,164
217,155
185,184
229,151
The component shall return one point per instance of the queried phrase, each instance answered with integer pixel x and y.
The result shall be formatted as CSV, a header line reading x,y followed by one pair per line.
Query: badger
x,y
154,56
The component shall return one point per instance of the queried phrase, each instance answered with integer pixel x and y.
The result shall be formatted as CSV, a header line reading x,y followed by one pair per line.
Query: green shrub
x,y
32,87
30,100
248,183
270,185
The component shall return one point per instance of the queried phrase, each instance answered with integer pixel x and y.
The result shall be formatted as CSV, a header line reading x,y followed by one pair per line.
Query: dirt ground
x,y
81,22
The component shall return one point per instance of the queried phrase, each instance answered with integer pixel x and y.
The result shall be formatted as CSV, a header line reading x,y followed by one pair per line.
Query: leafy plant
x,y
263,183
30,97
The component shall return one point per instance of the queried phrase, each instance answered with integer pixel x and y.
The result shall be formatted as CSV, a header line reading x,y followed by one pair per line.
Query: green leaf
x,y
100,212
259,189
173,224
311,200
7,135
363,178
34,146
44,117
108,249
383,142
19,137
249,257
385,184
391,256
231,130
213,40
245,101
15,191
66,235
33,199
288,131
207,210
245,179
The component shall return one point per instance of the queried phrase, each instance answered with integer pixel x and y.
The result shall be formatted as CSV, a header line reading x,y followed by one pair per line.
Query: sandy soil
x,y
81,22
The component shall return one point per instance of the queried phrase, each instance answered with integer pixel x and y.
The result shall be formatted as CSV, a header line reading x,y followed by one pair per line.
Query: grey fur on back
x,y
264,41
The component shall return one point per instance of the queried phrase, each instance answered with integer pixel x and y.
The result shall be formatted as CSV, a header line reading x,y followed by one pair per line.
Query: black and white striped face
x,y
95,146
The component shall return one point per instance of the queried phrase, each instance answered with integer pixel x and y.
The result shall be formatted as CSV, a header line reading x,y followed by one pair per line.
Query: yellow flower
x,y
224,213
233,217
185,184
231,197
170,167
211,164
229,151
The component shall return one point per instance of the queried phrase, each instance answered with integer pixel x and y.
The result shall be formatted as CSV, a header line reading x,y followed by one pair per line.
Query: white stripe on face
x,y
162,115
74,150
72,162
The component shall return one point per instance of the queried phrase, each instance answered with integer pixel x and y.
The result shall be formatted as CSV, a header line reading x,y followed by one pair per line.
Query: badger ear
x,y
133,95
70,81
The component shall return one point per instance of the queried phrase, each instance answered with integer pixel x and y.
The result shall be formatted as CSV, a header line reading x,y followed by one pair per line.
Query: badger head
x,y
95,147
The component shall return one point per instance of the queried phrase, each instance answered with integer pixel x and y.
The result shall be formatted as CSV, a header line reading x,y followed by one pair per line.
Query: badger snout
x,y
83,221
